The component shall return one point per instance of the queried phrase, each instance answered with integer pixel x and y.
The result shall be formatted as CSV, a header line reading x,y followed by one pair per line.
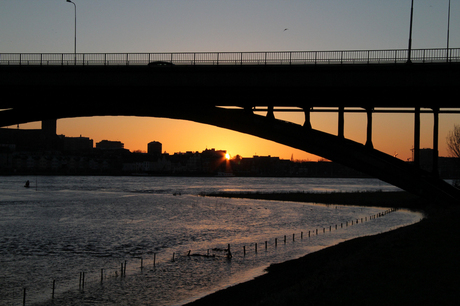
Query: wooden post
x,y
229,254
54,286
256,248
24,298
154,259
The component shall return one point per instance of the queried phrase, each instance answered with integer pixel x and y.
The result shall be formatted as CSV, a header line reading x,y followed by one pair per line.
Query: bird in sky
x,y
285,29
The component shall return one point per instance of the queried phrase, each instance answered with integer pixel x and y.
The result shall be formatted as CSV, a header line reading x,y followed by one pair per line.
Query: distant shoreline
x,y
396,199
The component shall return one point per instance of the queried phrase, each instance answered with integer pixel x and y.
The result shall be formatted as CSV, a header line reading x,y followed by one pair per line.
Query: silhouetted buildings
x,y
154,147
44,152
77,144
110,145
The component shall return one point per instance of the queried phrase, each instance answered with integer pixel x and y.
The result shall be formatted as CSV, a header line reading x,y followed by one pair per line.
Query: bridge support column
x,y
369,128
270,113
435,141
341,133
307,123
416,157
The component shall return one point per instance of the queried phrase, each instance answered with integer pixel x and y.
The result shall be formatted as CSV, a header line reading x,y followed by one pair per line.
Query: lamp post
x,y
410,32
75,30
448,29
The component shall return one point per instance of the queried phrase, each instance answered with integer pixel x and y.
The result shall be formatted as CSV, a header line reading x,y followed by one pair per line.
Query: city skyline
x,y
204,25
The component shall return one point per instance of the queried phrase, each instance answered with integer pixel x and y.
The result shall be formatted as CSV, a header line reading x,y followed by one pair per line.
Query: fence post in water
x,y
154,259
173,257
293,237
124,270
276,242
266,245
24,298
229,253
244,250
121,270
284,239
54,286
102,275
83,282
256,248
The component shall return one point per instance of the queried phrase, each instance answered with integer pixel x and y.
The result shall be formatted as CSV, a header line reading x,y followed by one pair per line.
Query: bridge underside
x,y
37,93
349,153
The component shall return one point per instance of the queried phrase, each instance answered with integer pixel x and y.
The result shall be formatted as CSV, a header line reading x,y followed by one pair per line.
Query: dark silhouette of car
x,y
160,63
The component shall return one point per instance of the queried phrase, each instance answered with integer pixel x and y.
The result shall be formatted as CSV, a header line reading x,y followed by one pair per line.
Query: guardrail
x,y
235,58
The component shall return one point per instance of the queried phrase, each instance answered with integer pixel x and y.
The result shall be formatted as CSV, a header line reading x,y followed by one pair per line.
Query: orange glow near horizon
x,y
392,133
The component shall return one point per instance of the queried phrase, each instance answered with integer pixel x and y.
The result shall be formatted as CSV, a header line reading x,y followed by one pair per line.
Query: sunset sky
x,y
118,26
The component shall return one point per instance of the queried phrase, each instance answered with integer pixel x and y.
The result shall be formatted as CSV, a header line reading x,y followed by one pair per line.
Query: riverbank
x,y
413,265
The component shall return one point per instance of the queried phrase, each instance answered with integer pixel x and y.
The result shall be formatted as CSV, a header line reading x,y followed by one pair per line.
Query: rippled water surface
x,y
144,228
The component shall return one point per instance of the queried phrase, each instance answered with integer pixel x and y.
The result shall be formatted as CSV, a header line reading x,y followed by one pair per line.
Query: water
x,y
62,226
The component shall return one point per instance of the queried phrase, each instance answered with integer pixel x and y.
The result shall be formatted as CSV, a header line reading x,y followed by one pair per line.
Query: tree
x,y
453,141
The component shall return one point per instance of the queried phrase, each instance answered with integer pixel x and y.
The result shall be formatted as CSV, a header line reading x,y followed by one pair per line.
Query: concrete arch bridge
x,y
227,96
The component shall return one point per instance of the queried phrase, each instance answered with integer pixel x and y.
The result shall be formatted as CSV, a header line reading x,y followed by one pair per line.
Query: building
x,y
110,145
154,147
77,144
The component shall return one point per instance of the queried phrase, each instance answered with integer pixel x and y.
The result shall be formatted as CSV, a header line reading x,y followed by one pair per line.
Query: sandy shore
x,y
414,265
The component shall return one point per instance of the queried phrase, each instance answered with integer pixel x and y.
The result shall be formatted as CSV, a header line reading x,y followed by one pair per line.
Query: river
x,y
131,235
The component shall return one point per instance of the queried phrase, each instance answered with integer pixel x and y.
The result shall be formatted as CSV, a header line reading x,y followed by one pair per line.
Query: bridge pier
x,y
341,133
369,127
270,113
435,141
416,158
307,123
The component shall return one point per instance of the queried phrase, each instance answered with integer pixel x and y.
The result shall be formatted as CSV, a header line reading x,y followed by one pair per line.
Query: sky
x,y
120,26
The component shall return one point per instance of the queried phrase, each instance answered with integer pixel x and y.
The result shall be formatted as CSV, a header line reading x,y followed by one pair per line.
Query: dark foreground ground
x,y
414,265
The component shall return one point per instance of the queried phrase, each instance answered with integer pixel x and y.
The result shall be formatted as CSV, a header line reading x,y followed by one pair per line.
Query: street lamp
x,y
410,32
75,28
448,29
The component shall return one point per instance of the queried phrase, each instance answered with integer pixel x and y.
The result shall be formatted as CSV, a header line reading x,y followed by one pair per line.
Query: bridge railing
x,y
235,58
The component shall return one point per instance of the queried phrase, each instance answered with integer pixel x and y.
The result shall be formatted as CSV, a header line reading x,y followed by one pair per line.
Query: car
x,y
160,63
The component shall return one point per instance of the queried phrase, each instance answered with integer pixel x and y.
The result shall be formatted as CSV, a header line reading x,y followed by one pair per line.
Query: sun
x,y
227,156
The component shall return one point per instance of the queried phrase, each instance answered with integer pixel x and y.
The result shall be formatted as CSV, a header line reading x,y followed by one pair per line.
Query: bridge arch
x,y
363,158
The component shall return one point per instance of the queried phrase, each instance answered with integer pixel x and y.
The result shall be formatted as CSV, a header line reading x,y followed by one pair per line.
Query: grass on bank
x,y
396,199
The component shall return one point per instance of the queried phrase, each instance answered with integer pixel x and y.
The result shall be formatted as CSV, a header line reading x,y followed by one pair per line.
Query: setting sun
x,y
227,156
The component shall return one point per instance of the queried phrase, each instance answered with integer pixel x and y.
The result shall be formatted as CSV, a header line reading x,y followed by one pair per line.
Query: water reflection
x,y
84,224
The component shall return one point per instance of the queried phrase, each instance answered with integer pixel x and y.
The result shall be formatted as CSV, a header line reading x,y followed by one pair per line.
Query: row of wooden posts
x,y
81,283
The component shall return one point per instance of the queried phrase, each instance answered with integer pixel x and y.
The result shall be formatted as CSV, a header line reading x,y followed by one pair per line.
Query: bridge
x,y
225,90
